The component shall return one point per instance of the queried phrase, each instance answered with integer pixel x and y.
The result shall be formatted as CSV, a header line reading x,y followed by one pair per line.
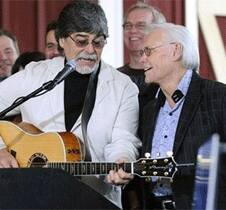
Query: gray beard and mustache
x,y
86,69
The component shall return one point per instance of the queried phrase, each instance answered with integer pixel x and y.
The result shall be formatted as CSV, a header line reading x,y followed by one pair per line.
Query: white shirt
x,y
112,126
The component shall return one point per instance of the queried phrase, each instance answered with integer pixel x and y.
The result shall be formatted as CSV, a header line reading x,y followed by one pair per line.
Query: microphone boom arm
x,y
69,67
46,86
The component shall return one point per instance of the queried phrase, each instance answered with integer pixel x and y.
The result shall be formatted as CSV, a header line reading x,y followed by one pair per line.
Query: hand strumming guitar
x,y
7,160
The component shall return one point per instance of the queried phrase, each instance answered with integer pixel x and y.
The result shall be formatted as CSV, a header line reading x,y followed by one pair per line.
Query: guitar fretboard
x,y
90,168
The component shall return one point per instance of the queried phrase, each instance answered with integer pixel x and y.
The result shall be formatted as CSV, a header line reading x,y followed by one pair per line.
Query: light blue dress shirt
x,y
165,130
167,121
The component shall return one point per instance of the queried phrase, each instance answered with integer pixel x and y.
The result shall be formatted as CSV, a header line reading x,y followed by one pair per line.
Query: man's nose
x,y
55,49
142,58
90,48
2,56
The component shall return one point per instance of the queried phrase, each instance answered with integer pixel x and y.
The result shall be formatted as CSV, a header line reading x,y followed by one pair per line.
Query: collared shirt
x,y
167,121
165,130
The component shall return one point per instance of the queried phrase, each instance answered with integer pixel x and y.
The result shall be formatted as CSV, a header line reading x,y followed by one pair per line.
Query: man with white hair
x,y
186,111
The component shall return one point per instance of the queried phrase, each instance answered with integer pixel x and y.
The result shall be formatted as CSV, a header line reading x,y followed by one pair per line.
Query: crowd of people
x,y
156,104
12,61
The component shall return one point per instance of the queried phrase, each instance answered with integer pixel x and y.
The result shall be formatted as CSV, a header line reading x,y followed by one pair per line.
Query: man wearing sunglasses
x,y
95,89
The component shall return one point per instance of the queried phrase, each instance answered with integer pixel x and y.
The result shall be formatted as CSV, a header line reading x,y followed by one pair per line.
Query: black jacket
x,y
203,113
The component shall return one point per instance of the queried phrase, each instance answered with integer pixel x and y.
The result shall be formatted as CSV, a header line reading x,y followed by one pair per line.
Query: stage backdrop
x,y
27,19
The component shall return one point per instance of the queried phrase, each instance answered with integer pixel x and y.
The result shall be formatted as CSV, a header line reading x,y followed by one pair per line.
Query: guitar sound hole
x,y
37,160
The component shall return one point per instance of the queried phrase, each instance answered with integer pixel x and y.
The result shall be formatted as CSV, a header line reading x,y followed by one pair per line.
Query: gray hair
x,y
81,16
180,34
158,17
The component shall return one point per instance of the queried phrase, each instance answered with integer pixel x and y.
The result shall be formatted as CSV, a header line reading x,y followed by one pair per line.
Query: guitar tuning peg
x,y
169,154
147,155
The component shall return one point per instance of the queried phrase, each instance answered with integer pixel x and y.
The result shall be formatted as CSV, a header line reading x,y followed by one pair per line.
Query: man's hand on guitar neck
x,y
7,160
119,177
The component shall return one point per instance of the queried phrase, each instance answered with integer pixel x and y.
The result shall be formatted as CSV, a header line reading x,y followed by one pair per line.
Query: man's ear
x,y
61,42
178,51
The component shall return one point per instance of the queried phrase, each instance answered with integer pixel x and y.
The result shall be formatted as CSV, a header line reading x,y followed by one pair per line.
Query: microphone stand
x,y
45,87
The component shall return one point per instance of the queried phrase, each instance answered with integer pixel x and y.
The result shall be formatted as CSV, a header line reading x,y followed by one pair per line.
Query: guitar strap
x,y
88,108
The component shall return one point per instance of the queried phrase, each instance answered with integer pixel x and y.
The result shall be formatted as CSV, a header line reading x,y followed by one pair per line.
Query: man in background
x,y
9,51
136,19
52,48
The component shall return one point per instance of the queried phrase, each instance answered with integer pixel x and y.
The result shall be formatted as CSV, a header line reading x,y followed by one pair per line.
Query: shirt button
x,y
170,114
165,136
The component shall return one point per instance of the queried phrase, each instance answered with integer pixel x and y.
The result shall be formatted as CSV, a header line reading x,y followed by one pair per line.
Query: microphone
x,y
68,68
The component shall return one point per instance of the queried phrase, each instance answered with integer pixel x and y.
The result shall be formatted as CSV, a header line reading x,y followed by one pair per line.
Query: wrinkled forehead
x,y
155,36
139,15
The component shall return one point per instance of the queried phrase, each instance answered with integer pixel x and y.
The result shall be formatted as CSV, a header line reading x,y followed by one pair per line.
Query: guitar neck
x,y
90,168
18,143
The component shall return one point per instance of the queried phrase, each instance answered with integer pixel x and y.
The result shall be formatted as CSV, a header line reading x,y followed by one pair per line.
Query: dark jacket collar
x,y
151,110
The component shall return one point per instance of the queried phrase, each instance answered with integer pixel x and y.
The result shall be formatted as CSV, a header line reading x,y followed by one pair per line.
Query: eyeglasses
x,y
97,44
149,50
139,26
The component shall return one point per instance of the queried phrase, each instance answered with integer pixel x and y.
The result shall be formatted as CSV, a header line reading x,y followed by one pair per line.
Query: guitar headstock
x,y
161,167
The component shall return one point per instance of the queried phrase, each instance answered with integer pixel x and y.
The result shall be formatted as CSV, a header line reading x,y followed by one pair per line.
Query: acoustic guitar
x,y
63,150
